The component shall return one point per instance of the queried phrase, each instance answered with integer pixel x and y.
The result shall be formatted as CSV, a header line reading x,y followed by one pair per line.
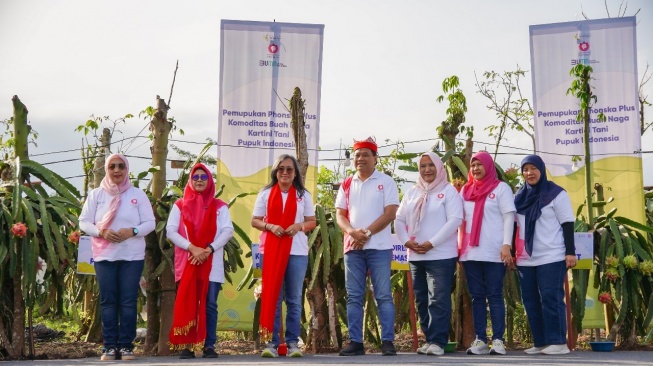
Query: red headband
x,y
365,145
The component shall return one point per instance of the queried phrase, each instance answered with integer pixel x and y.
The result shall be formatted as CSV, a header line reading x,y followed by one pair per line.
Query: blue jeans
x,y
357,264
212,313
119,284
432,281
485,282
293,283
542,291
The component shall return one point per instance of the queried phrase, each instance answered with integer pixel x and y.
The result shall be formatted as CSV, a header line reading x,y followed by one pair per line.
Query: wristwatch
x,y
135,231
368,232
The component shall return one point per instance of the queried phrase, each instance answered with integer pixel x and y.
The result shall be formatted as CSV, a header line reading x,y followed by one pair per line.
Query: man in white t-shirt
x,y
366,204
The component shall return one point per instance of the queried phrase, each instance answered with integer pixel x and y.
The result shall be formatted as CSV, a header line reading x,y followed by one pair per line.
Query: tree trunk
x,y
21,129
160,128
91,299
333,315
95,327
12,339
299,131
463,321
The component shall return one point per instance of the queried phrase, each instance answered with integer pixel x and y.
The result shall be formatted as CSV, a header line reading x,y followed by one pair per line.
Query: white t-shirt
x,y
442,207
491,238
367,202
134,211
304,208
222,236
548,243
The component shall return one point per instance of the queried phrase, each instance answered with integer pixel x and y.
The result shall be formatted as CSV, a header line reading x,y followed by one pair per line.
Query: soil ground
x,y
64,348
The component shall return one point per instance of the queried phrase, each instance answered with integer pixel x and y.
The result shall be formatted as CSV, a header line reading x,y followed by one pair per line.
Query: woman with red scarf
x,y
284,212
199,225
489,212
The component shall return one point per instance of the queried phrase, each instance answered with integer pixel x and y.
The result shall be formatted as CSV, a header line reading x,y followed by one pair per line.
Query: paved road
x,y
513,358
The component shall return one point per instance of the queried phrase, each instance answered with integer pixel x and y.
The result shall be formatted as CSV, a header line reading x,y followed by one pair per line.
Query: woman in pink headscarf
x,y
427,221
117,217
485,249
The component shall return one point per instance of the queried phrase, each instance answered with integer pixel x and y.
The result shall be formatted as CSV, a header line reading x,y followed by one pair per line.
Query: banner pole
x,y
571,341
411,307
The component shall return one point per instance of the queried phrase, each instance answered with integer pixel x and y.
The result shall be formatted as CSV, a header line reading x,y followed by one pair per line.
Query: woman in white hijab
x,y
427,223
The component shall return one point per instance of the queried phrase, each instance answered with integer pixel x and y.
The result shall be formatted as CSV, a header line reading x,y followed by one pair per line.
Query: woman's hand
x,y
570,260
207,251
111,236
198,255
412,245
276,230
506,257
425,247
293,229
125,233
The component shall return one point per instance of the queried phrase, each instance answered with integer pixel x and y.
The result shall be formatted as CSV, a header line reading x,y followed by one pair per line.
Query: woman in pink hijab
x,y
427,222
485,249
117,217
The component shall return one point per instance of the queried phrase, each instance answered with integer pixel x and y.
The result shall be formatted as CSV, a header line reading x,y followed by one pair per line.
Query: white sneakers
x,y
294,351
434,350
430,349
533,350
497,347
554,349
478,347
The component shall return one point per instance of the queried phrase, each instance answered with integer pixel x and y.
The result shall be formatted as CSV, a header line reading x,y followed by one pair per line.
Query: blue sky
x,y
384,62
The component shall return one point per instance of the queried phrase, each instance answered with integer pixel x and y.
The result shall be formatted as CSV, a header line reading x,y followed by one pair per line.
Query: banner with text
x,y
261,63
609,47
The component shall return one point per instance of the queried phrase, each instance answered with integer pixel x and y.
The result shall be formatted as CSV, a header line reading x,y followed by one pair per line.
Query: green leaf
x,y
633,224
407,156
460,165
241,233
52,179
408,168
246,279
30,220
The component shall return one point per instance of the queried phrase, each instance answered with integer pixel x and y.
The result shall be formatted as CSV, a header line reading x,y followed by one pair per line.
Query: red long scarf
x,y
199,217
277,252
478,190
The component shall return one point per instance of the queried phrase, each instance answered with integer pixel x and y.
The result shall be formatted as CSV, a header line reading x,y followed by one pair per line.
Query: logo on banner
x,y
584,54
272,45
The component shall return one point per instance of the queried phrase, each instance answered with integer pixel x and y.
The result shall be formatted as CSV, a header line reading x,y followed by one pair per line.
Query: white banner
x,y
261,64
609,47
85,256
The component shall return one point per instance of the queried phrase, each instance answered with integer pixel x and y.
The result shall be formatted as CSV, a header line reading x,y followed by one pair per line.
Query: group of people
x,y
440,227
427,220
118,216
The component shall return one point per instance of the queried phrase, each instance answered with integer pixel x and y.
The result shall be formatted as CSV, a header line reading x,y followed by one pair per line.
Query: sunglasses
x,y
286,169
120,166
200,177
